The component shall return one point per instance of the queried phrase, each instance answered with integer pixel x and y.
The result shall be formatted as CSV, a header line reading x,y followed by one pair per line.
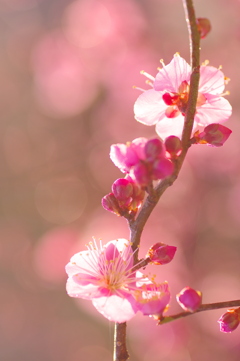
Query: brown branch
x,y
205,307
136,226
120,348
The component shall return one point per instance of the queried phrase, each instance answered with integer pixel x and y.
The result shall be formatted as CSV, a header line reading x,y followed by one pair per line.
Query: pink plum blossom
x,y
189,299
104,274
165,105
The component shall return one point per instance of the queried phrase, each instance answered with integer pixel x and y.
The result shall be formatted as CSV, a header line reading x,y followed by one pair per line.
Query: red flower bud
x,y
189,299
110,203
162,168
173,146
122,189
204,27
153,149
161,253
229,321
142,174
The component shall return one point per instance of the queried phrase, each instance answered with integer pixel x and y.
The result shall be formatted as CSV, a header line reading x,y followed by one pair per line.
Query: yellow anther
x,y
205,63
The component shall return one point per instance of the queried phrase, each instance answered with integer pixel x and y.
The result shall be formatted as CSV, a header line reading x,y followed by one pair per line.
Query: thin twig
x,y
205,307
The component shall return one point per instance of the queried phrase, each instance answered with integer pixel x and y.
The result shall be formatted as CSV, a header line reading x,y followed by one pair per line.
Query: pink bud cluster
x,y
126,197
229,321
144,160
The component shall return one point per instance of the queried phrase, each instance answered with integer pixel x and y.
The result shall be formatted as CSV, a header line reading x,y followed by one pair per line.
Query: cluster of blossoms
x,y
107,276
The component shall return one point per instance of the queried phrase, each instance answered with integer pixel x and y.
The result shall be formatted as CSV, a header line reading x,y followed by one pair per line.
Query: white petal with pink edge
x,y
116,308
86,292
211,80
170,126
170,77
215,110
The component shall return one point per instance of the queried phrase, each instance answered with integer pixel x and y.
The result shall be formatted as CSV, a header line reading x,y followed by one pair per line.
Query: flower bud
x,y
162,168
189,299
161,253
173,146
229,321
204,26
110,203
122,189
153,149
142,174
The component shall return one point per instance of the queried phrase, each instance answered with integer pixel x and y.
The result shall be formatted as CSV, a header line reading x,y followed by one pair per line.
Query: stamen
x,y
205,63
147,75
138,88
162,62
149,83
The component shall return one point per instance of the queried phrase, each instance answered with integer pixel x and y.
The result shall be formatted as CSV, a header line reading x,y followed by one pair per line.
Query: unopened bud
x,y
122,189
142,174
110,203
162,168
229,321
173,146
161,253
189,299
153,149
204,27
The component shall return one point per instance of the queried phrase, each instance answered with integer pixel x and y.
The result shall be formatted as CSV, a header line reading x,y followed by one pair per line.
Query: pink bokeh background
x,y
67,69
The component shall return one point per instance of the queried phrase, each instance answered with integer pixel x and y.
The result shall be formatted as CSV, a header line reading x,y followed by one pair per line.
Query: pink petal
x,y
172,75
123,156
153,299
116,308
123,247
138,145
86,292
170,126
215,110
149,108
211,80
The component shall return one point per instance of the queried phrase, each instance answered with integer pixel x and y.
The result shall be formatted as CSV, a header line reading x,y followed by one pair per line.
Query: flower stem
x,y
205,307
120,349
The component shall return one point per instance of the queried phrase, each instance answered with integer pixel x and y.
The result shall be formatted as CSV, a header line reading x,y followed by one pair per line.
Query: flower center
x,y
177,102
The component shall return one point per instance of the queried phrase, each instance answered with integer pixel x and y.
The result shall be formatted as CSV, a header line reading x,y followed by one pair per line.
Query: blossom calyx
x,y
229,321
161,253
189,299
